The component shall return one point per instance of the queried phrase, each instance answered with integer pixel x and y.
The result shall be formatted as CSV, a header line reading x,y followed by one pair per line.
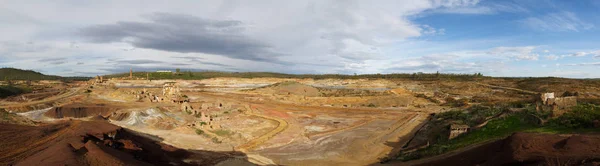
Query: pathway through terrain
x,y
255,142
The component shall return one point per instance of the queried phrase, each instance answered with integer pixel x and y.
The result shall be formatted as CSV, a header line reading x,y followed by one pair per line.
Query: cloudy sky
x,y
497,38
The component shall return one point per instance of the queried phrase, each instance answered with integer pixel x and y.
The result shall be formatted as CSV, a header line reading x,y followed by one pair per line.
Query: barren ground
x,y
270,120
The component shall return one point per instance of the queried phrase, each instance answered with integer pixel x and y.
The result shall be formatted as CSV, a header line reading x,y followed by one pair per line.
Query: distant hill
x,y
188,75
19,74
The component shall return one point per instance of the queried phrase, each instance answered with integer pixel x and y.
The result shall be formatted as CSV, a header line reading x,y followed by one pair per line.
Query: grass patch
x,y
495,129
222,133
583,118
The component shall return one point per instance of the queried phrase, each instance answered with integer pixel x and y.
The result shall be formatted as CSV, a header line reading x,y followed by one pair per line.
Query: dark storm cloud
x,y
185,34
215,64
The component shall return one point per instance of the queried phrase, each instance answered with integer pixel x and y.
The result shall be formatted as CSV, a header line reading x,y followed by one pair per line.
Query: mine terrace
x,y
262,120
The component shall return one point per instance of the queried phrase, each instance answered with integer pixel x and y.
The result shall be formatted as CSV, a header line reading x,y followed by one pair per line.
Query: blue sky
x,y
498,38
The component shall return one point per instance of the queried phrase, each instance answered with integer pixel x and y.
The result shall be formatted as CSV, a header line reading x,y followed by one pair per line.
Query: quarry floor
x,y
267,131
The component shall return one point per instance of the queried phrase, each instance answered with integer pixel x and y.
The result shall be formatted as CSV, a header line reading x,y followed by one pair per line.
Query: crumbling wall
x,y
565,102
456,130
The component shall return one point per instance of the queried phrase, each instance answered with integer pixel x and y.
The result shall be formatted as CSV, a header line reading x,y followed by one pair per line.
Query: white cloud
x,y
585,64
315,35
579,54
467,10
583,53
516,53
563,21
552,57
546,51
596,54
428,30
475,8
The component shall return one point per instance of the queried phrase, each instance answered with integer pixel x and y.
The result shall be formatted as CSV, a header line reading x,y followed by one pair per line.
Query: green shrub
x,y
581,116
216,140
199,132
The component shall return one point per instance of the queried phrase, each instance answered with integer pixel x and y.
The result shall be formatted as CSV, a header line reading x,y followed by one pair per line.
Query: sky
x,y
520,38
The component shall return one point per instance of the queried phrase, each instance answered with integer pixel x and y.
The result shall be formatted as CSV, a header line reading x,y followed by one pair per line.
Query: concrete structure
x,y
547,96
456,130
557,105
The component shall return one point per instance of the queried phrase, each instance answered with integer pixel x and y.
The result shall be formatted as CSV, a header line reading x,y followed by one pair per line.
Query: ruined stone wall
x,y
565,102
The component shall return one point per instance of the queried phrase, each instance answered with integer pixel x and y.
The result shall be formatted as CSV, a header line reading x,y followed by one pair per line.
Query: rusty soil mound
x,y
530,149
93,143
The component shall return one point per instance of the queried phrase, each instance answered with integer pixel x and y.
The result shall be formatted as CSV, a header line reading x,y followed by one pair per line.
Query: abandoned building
x,y
557,105
456,130
99,80
171,89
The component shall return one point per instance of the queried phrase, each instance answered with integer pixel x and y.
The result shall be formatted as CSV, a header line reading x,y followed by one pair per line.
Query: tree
x,y
178,70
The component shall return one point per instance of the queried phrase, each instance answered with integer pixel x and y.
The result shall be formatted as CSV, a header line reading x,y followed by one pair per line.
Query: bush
x,y
199,132
216,140
6,91
582,116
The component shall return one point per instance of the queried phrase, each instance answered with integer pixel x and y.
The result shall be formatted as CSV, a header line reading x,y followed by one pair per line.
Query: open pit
x,y
268,120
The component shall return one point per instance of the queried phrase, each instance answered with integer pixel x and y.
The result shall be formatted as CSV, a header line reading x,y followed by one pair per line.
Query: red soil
x,y
92,143
530,149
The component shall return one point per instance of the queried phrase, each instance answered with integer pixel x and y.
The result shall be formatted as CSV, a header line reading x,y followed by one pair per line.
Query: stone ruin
x,y
171,90
557,105
456,130
202,111
99,80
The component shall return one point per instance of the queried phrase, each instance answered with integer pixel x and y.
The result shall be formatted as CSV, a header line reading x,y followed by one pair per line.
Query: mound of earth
x,y
528,149
94,143
290,88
